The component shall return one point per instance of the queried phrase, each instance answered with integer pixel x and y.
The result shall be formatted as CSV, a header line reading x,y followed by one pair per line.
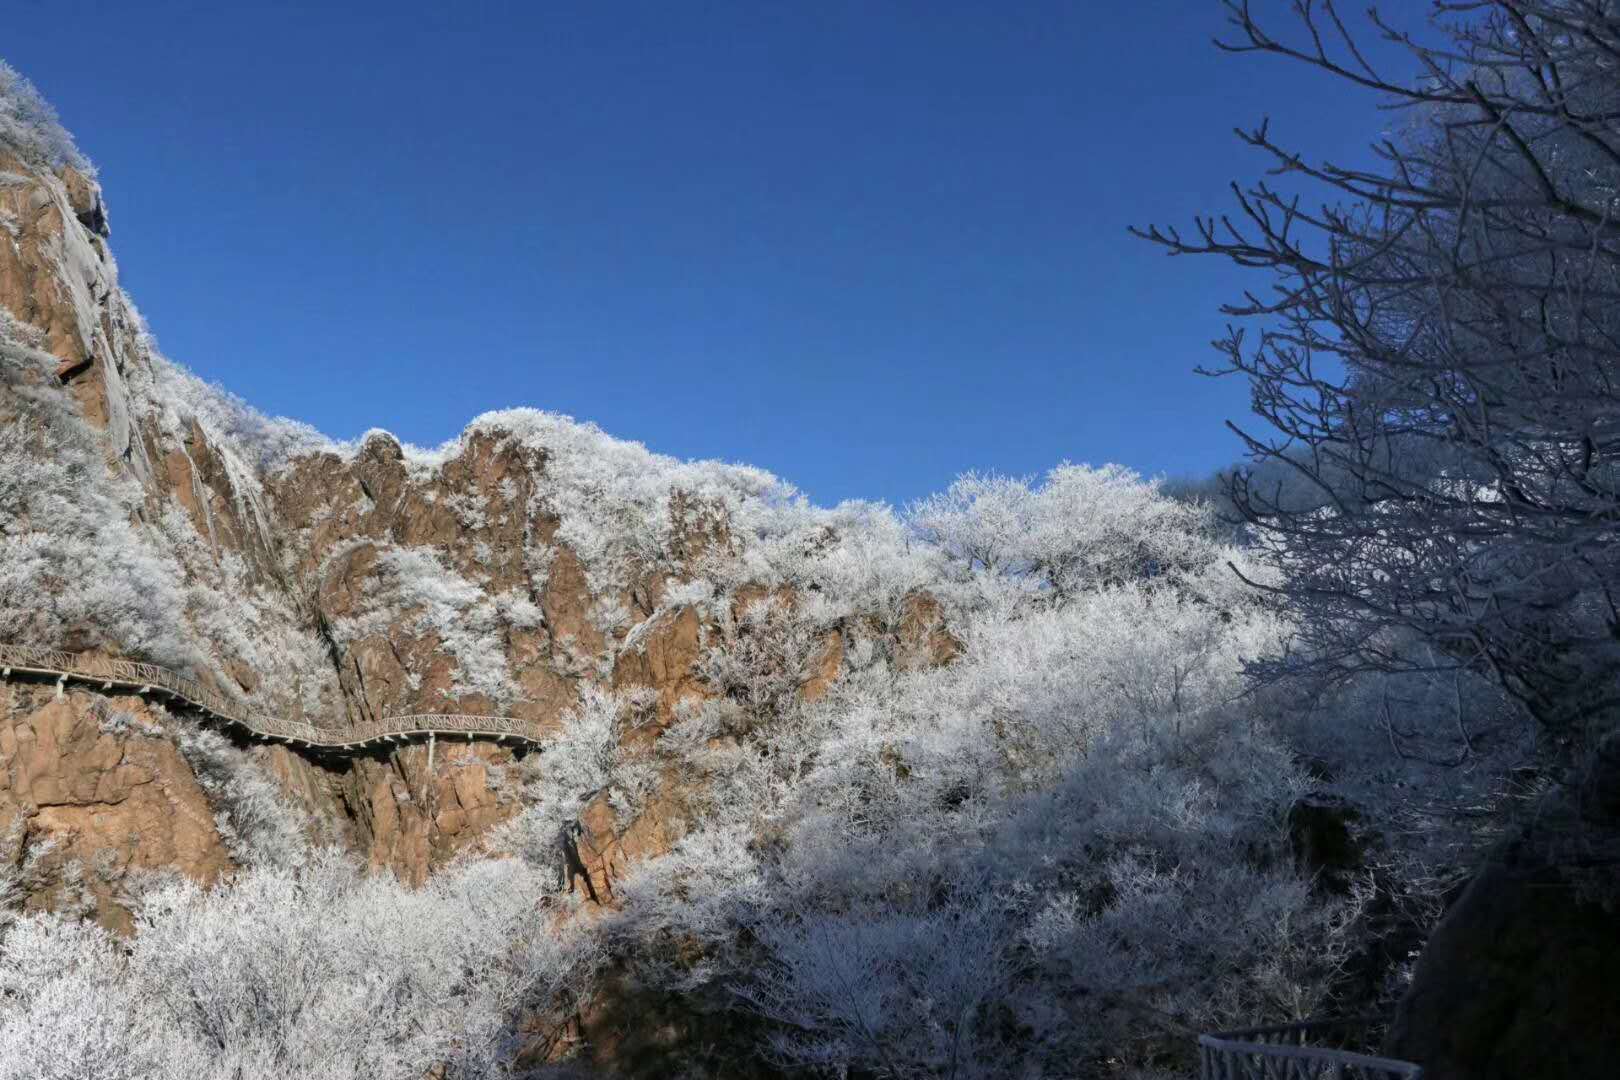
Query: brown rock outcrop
x,y
411,820
57,280
472,515
923,640
826,666
604,846
661,656
97,781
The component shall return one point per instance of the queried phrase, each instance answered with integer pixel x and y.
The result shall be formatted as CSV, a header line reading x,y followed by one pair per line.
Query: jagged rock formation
x,y
292,559
149,516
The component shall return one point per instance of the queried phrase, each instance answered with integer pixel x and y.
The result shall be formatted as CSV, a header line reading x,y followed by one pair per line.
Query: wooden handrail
x,y
153,678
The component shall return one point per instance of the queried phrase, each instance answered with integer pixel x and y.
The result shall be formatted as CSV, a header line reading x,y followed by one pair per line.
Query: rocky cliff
x,y
146,515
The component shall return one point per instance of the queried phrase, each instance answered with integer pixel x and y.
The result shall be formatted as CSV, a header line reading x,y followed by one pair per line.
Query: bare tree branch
x,y
1438,353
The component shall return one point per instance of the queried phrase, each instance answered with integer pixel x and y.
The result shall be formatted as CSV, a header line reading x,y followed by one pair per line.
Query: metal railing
x,y
1286,1052
146,678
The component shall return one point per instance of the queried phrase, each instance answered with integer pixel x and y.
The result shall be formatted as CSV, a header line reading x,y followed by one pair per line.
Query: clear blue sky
x,y
864,245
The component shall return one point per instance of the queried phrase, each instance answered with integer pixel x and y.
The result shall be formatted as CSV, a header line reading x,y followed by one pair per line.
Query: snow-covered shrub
x,y
68,1009
317,970
1152,891
176,397
611,616
256,821
695,592
907,993
241,614
1088,792
1080,528
29,125
110,721
79,566
11,880
859,558
61,513
763,657
1166,880
468,624
582,758
682,912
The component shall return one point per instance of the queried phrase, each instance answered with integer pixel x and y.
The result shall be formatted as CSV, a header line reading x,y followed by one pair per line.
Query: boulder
x,y
1518,979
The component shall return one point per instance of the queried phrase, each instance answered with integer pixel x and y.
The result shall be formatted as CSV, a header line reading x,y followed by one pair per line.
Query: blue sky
x,y
866,246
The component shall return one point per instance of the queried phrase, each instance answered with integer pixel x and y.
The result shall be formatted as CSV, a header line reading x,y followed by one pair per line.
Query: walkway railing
x,y
1285,1052
161,682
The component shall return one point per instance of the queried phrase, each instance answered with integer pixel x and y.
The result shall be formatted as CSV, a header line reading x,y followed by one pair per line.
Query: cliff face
x,y
148,516
308,580
92,787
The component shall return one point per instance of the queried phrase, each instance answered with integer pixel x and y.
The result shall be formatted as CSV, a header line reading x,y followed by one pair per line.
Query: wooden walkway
x,y
176,689
1284,1052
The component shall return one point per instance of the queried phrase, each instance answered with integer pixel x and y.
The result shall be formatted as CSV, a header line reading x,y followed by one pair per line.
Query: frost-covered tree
x,y
907,993
415,586
61,513
29,124
1079,529
255,819
585,757
1436,357
763,657
1067,845
318,970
